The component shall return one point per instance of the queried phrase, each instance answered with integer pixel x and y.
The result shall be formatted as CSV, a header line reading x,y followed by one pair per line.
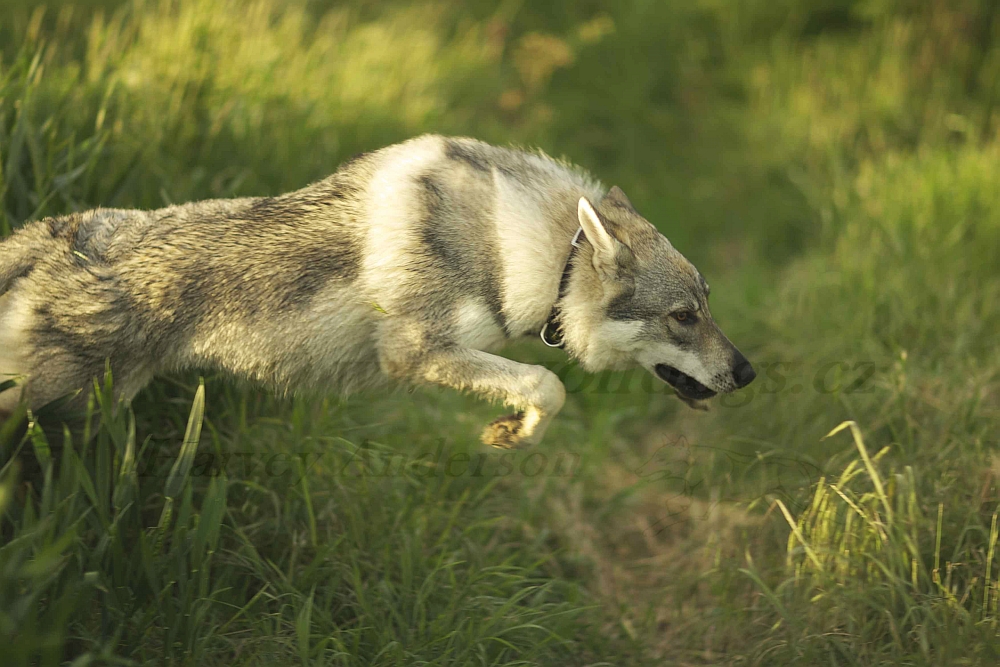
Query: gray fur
x,y
411,263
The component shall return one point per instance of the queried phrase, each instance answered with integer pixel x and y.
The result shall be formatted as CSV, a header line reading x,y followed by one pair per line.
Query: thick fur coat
x,y
416,262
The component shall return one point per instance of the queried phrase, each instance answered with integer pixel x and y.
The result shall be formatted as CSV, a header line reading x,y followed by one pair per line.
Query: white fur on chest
x,y
533,253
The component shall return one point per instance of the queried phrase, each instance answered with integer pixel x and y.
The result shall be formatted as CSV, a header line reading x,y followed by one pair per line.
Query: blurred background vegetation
x,y
832,167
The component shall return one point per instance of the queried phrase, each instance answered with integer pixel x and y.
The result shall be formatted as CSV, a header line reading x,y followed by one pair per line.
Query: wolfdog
x,y
416,263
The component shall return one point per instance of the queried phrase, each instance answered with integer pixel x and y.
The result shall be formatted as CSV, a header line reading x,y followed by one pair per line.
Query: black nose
x,y
743,372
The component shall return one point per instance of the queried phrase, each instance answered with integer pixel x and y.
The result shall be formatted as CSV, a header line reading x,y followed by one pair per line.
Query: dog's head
x,y
644,303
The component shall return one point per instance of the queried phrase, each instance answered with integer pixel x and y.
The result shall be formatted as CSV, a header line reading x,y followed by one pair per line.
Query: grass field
x,y
832,167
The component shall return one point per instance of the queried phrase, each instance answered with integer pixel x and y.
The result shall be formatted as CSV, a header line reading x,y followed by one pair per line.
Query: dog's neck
x,y
552,334
579,313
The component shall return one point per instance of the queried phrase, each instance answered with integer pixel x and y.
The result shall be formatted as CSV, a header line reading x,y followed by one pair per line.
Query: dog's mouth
x,y
686,385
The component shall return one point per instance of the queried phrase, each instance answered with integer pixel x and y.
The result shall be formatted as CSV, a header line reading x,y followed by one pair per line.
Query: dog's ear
x,y
605,245
616,197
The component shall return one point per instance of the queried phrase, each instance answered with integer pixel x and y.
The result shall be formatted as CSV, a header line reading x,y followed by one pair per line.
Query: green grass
x,y
831,167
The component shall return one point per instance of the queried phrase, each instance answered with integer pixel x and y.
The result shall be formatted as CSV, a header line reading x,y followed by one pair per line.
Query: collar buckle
x,y
553,339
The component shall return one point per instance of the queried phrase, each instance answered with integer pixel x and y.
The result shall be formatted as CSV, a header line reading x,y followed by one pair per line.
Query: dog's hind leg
x,y
12,353
56,348
535,392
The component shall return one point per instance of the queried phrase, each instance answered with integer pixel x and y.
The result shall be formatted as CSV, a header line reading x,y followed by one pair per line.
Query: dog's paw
x,y
505,432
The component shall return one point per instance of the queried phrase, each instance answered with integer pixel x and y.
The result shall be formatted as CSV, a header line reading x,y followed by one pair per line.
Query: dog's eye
x,y
685,316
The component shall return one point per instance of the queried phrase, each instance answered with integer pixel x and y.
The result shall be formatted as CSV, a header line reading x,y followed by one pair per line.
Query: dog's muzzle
x,y
686,385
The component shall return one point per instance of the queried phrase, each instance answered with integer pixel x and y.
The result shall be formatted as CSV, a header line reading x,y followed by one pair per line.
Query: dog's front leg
x,y
535,392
